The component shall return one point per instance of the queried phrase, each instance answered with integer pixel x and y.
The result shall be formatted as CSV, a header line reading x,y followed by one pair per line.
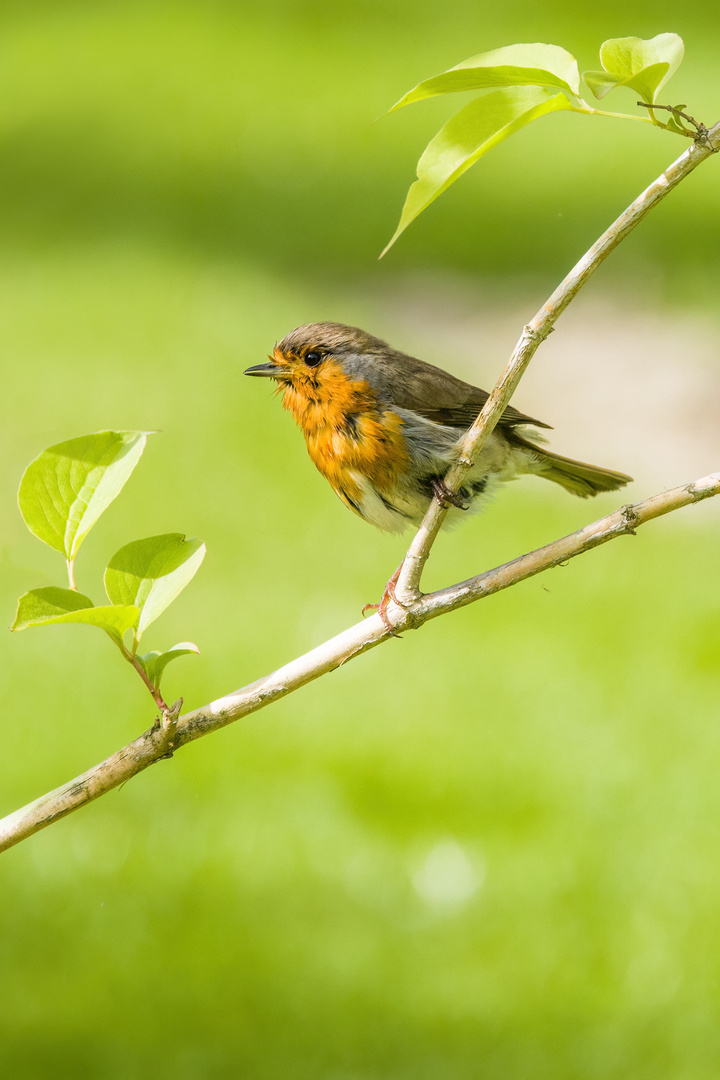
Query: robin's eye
x,y
312,359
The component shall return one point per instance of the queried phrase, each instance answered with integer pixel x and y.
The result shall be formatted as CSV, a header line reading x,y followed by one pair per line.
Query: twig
x,y
408,586
701,132
155,744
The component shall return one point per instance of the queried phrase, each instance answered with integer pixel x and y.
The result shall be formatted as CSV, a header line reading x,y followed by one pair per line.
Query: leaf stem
x,y
71,573
618,115
133,660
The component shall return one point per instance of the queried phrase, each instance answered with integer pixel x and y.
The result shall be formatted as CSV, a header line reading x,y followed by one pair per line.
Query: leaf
x,y
675,124
515,65
150,573
43,607
643,66
156,662
64,491
469,135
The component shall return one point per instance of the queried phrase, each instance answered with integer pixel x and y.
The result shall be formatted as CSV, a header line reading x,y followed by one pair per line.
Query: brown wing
x,y
439,396
465,415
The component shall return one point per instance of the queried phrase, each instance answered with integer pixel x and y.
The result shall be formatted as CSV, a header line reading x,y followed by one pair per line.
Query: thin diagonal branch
x,y
166,736
408,585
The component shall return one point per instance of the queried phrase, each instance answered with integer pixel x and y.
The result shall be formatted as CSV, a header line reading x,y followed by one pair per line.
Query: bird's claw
x,y
382,607
446,497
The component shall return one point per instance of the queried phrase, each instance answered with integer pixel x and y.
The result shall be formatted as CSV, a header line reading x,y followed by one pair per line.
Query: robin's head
x,y
313,358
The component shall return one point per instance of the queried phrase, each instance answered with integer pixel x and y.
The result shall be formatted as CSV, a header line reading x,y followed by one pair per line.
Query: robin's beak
x,y
267,371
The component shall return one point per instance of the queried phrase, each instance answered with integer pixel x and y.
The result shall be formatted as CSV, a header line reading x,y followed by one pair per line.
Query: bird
x,y
384,428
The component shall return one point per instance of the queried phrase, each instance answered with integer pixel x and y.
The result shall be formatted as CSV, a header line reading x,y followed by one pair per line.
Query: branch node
x,y
701,489
630,518
167,724
538,336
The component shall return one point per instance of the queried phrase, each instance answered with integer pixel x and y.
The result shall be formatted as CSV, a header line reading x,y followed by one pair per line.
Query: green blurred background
x,y
490,849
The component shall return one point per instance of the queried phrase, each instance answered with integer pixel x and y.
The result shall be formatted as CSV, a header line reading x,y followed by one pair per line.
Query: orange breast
x,y
347,430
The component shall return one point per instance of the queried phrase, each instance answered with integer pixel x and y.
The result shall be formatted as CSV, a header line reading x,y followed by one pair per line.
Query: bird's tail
x,y
575,476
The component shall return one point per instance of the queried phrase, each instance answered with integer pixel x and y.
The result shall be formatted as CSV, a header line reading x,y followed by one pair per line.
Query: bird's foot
x,y
387,596
446,497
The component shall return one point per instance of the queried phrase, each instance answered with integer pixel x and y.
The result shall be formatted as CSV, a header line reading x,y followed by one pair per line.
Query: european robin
x,y
384,428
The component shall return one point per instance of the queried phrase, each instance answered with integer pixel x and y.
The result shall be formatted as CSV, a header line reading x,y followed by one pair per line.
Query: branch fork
x,y
166,724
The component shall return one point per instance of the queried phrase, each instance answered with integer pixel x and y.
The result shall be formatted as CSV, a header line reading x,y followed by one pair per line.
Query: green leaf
x,y
473,131
675,124
156,662
64,491
43,607
533,64
150,573
643,66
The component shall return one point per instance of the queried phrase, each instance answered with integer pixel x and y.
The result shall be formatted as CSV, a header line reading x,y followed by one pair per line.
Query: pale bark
x,y
170,733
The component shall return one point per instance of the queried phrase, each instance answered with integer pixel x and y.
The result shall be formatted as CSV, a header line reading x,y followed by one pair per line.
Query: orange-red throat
x,y
350,434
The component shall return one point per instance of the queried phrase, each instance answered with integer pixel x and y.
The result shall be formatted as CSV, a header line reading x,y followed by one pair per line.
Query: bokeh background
x,y
490,849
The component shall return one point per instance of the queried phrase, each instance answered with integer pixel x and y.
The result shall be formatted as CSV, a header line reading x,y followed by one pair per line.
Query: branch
x,y
408,586
623,522
170,733
167,735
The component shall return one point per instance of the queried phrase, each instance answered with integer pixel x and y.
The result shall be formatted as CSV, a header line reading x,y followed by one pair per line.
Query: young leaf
x,y
674,123
473,131
156,662
43,607
64,491
643,66
150,573
533,64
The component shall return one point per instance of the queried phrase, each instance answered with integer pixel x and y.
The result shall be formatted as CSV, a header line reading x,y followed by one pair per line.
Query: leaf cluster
x,y
519,84
63,493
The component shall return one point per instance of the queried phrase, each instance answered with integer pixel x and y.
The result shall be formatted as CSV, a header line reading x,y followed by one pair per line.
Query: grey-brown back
x,y
397,378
